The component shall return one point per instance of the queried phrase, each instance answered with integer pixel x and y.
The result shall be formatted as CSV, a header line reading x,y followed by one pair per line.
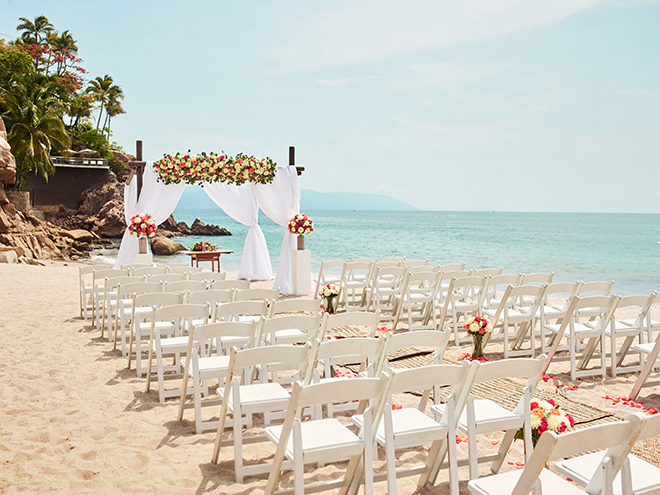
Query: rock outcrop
x,y
7,162
93,200
199,228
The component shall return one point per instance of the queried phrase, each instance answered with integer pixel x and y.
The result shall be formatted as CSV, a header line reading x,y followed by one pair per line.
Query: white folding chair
x,y
496,287
416,263
210,297
245,311
522,317
537,278
594,289
290,329
581,309
450,267
175,346
148,271
123,310
98,280
109,301
355,284
186,270
484,415
206,360
650,353
549,311
331,272
365,319
387,290
464,297
164,278
629,332
536,478
326,440
420,301
491,272
244,397
141,313
367,354
645,477
651,325
290,306
411,427
86,289
208,276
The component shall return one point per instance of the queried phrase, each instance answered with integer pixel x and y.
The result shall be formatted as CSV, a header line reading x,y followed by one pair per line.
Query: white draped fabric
x,y
240,203
157,199
281,201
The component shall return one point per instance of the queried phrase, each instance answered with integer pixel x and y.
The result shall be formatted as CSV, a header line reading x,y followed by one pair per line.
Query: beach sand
x,y
74,419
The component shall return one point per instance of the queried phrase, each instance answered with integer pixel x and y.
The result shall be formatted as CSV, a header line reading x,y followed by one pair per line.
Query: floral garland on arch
x,y
211,167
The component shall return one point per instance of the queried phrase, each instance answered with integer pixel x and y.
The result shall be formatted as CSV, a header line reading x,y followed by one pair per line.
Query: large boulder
x,y
7,162
80,235
200,228
162,246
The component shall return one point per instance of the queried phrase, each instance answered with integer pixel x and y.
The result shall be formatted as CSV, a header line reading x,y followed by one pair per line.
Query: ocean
x,y
575,246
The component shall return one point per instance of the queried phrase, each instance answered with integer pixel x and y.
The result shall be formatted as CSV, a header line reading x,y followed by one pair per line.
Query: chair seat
x,y
212,364
485,411
173,344
551,312
260,397
645,476
645,348
503,484
407,422
621,329
320,436
581,331
289,336
165,328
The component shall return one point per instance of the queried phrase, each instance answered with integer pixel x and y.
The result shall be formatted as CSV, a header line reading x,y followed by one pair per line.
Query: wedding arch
x,y
241,200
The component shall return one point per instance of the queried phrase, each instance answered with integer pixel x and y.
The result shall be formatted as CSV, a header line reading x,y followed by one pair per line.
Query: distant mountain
x,y
195,197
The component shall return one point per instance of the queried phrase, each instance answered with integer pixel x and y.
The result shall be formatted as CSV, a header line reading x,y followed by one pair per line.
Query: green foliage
x,y
85,136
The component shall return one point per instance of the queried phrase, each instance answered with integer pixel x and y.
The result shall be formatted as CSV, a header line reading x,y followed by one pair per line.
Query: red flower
x,y
551,402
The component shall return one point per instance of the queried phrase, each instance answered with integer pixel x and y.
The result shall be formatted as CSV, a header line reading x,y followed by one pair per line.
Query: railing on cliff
x,y
79,162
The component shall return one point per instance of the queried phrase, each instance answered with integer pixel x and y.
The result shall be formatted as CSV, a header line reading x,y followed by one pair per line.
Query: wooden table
x,y
212,256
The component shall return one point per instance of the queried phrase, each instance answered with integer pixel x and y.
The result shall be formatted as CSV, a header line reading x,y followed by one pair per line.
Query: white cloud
x,y
350,31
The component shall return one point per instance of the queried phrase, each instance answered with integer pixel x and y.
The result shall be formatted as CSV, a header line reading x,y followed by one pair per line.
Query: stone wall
x,y
7,162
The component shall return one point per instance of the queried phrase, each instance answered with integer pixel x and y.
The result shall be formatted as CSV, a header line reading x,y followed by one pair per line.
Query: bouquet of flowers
x,y
243,168
547,415
478,326
329,292
203,246
301,224
142,225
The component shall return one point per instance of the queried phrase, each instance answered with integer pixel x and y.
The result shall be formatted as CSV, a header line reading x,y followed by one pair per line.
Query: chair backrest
x,y
208,334
296,305
492,272
617,437
181,285
355,268
434,339
209,276
132,266
599,288
387,264
179,314
230,284
157,299
336,275
363,260
365,351
392,259
104,271
505,279
451,267
605,305
421,268
563,290
532,368
173,265
416,263
166,277
513,295
305,323
641,302
210,296
354,318
537,278
185,269
124,290
239,308
239,360
112,282
446,275
255,294
148,270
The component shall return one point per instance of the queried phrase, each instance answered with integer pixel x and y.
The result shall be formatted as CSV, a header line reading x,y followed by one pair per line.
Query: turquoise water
x,y
575,246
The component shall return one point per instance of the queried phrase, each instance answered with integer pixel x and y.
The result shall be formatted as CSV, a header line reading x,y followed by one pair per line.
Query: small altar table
x,y
212,256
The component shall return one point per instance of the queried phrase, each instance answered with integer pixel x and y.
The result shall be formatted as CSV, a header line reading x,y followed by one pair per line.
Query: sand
x,y
74,419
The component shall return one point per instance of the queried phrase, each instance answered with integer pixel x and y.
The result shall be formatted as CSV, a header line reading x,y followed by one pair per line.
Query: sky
x,y
506,105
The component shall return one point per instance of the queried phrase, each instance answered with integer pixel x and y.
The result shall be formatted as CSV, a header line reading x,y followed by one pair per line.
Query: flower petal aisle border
x,y
211,167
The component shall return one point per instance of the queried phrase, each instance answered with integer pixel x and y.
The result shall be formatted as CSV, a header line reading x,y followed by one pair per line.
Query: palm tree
x,y
113,106
34,120
99,88
34,32
62,45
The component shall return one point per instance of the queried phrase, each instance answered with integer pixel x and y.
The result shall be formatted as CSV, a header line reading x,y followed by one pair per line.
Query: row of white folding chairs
x,y
89,275
193,292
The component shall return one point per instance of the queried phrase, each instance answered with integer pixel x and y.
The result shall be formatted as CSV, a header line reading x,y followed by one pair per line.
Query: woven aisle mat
x,y
347,331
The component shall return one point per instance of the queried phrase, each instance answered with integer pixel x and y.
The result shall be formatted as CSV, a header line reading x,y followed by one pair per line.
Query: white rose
x,y
536,422
555,421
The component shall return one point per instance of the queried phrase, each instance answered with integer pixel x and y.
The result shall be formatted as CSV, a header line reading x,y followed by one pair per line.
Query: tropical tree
x,y
99,88
113,107
34,32
34,119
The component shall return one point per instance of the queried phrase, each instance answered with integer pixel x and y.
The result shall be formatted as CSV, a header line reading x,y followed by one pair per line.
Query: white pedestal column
x,y
301,272
146,258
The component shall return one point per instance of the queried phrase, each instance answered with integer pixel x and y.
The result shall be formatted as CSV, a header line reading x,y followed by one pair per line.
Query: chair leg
x,y
472,440
298,460
368,457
